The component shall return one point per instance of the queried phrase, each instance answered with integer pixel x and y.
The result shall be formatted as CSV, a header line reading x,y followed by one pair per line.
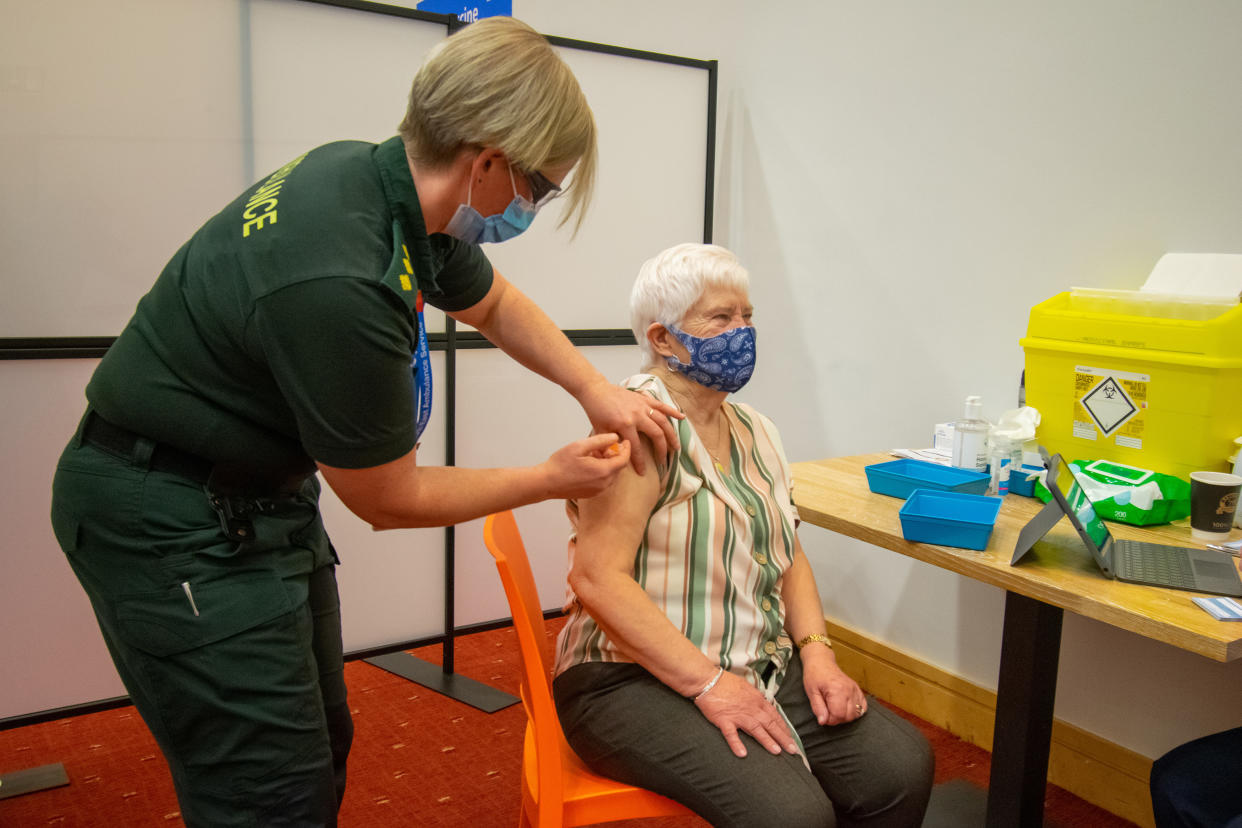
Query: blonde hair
x,y
670,282
497,83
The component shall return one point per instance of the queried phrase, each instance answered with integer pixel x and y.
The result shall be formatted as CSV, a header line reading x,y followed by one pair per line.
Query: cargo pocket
x,y
185,617
232,691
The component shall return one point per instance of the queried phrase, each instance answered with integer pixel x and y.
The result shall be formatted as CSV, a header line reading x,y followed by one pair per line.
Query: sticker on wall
x,y
468,12
1110,404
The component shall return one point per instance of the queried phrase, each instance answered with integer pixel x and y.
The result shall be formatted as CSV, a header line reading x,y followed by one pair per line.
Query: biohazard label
x,y
1110,403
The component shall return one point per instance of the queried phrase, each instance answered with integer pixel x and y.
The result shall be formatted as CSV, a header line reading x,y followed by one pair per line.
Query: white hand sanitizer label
x,y
970,449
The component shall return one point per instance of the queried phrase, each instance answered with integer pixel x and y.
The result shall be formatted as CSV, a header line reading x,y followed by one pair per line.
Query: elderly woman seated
x,y
676,669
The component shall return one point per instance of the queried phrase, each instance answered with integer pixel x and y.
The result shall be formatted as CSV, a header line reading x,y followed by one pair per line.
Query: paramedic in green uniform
x,y
277,343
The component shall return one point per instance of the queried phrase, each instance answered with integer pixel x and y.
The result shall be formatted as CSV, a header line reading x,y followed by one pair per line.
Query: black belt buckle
x,y
234,515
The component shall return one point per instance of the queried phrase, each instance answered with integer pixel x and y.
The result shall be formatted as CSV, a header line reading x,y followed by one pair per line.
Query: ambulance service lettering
x,y
261,207
406,284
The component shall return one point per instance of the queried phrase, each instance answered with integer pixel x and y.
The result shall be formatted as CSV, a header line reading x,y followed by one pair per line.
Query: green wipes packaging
x,y
1129,495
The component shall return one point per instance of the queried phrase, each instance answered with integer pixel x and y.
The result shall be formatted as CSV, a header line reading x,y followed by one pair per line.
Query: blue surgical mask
x,y
723,362
469,226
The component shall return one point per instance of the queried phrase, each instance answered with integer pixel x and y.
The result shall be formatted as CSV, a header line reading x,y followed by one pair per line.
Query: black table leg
x,y
1025,694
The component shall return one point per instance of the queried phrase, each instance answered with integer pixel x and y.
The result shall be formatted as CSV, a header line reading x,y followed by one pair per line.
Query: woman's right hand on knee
x,y
733,705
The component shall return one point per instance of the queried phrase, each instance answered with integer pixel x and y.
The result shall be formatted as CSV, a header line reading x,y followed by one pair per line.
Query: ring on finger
x,y
650,412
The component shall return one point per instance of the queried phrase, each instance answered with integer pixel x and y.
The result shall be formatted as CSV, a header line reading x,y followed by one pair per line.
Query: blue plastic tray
x,y
898,478
949,518
1018,484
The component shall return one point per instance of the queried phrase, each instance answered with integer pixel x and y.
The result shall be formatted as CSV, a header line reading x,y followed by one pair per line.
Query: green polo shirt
x,y
282,331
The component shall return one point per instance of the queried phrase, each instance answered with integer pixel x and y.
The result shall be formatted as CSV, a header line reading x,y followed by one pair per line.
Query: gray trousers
x,y
231,652
627,725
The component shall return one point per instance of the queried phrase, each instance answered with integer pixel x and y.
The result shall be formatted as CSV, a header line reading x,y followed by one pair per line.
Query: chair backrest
x,y
504,542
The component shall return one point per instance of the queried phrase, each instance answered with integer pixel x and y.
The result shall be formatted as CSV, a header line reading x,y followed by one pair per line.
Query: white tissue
x,y
1016,425
1212,275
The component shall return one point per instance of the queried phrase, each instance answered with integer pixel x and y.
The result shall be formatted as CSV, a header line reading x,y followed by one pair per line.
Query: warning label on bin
x,y
1110,404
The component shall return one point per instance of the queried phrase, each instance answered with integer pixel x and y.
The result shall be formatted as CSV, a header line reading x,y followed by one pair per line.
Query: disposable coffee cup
x,y
1213,500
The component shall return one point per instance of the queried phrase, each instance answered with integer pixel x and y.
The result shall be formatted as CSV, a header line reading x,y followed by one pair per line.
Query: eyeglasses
x,y
541,189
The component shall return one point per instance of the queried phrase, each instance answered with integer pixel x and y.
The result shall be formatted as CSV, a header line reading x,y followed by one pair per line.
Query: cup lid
x,y
1216,478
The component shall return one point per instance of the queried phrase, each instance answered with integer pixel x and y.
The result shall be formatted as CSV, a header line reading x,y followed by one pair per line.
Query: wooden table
x,y
1057,575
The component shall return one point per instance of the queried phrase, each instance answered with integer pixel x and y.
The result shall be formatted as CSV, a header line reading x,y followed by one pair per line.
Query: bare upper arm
x,y
611,524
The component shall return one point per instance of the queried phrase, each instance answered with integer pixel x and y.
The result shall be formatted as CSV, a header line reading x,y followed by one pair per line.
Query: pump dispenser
x,y
970,437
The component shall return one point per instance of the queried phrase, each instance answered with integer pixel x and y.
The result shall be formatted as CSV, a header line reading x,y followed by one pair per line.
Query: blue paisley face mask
x,y
469,225
723,362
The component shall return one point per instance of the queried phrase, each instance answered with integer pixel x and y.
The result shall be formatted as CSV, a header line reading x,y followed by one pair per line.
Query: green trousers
x,y
231,652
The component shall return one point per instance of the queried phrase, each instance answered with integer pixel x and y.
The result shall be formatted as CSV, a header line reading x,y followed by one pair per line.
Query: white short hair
x,y
669,284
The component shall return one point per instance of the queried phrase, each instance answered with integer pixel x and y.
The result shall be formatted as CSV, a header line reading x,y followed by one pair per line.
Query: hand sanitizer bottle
x,y
970,437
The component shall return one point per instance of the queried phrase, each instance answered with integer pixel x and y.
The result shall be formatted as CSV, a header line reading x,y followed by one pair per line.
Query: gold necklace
x,y
721,427
720,431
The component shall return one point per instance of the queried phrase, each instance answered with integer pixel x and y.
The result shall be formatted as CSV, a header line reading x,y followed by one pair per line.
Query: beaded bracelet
x,y
710,684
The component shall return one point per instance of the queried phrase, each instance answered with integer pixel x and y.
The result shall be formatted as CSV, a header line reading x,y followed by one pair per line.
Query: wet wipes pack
x,y
1128,494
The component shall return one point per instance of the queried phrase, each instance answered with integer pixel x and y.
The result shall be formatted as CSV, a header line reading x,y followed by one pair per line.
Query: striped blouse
x,y
714,551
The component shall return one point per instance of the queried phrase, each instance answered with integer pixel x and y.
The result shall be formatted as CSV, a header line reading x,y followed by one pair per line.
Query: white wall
x,y
904,181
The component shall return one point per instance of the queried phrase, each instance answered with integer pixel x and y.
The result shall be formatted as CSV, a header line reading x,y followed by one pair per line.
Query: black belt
x,y
223,478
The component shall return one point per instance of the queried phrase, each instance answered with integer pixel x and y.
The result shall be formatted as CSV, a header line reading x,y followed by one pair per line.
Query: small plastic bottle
x,y
970,437
1004,456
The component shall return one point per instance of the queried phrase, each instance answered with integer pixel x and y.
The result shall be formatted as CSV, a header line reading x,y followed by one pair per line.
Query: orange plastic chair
x,y
557,789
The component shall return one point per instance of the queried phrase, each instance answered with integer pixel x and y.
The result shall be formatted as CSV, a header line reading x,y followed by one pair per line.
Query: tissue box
x,y
942,437
1135,381
949,518
899,478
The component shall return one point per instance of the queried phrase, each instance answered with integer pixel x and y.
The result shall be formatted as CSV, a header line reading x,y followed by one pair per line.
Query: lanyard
x,y
420,364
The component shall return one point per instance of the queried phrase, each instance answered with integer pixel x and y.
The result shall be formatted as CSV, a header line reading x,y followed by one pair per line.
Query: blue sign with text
x,y
468,12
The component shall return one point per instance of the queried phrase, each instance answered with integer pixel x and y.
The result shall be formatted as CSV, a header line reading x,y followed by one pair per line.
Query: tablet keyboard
x,y
1154,563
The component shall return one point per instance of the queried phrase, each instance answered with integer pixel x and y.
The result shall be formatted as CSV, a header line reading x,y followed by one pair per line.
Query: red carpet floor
x,y
419,759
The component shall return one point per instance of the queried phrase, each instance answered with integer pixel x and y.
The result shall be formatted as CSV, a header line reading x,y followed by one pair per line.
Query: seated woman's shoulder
x,y
750,412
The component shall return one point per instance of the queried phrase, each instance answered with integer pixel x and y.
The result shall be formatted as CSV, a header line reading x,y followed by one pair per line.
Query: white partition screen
x,y
121,134
652,118
124,127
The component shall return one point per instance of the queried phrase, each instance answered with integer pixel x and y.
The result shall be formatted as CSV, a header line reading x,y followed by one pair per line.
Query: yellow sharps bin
x,y
1148,380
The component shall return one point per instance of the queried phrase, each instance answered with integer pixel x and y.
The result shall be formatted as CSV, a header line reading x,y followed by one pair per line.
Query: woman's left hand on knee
x,y
835,697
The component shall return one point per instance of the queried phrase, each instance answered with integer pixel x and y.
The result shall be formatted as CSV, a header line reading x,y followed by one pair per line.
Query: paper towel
x,y
1208,275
